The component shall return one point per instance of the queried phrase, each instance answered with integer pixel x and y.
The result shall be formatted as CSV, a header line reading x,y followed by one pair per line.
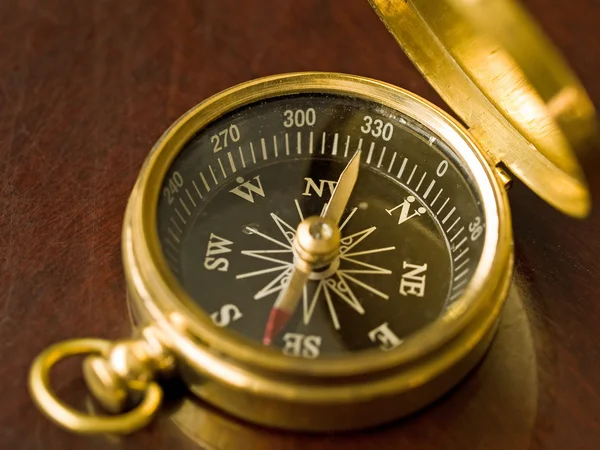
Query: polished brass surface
x,y
496,70
73,420
317,250
120,377
331,393
525,112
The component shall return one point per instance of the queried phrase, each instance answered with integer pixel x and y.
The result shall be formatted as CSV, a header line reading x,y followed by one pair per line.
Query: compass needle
x,y
260,270
316,245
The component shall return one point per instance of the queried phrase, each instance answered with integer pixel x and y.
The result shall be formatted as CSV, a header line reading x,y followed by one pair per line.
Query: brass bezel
x,y
243,365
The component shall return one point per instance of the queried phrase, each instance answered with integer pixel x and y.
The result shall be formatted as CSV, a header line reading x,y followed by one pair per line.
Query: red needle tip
x,y
277,320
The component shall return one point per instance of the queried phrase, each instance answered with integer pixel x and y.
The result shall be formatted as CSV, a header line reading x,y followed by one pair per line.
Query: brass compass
x,y
320,251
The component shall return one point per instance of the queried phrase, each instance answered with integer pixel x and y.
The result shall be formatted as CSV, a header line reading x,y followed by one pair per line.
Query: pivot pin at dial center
x,y
317,243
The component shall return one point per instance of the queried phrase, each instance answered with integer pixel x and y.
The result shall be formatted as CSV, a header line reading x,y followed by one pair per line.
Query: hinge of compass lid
x,y
497,71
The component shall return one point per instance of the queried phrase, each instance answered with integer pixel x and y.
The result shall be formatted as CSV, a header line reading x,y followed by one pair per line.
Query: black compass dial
x,y
411,233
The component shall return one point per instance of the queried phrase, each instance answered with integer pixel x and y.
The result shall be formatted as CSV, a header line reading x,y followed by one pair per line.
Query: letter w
x,y
247,189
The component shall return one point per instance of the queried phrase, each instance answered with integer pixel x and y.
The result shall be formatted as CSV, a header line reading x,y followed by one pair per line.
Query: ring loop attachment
x,y
70,418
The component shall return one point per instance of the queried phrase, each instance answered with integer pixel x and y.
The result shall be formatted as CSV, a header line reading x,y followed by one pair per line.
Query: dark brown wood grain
x,y
85,89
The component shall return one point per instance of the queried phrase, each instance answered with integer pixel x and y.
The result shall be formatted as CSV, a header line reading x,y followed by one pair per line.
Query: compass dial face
x,y
411,234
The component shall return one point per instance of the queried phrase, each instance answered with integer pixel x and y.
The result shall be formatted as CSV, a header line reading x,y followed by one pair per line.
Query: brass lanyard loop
x,y
73,420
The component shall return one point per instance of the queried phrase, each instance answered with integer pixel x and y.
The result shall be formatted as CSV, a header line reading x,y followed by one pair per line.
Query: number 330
x,y
377,128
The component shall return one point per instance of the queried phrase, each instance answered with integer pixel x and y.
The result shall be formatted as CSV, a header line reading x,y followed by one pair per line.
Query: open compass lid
x,y
498,72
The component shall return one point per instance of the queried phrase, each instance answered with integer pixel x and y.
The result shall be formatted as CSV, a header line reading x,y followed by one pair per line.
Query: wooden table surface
x,y
85,89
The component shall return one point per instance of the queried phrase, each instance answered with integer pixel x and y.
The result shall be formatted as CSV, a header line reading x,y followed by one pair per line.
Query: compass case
x,y
496,70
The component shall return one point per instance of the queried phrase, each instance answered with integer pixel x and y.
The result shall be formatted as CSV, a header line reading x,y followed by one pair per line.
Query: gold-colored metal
x,y
263,386
317,251
526,112
505,178
120,378
73,420
497,71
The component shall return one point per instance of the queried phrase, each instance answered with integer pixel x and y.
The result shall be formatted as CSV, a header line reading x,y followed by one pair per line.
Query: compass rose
x,y
339,283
